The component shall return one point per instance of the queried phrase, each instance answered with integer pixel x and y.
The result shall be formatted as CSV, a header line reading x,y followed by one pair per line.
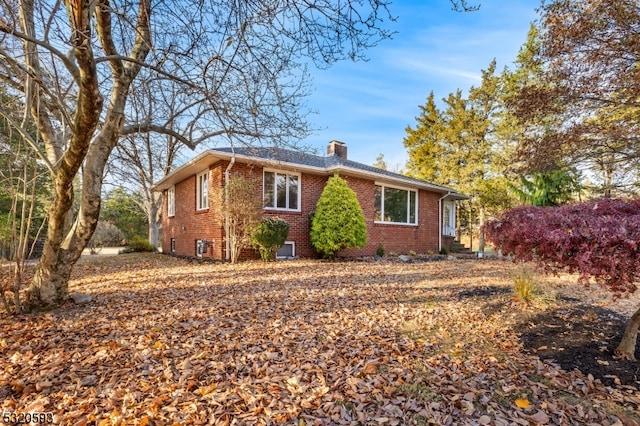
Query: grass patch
x,y
524,286
420,391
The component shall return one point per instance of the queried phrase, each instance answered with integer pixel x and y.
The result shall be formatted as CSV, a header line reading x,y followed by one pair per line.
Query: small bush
x,y
269,236
140,244
412,253
380,250
444,251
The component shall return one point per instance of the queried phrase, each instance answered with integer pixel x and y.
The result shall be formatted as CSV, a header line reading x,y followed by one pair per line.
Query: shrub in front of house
x,y
338,222
269,236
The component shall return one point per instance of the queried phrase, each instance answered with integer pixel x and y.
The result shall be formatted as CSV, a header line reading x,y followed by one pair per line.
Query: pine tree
x,y
458,147
425,144
338,222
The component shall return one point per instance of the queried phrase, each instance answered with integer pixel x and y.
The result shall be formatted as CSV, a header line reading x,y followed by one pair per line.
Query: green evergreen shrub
x,y
269,236
140,244
338,222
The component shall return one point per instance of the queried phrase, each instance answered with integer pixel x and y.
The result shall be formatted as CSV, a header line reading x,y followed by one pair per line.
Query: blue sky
x,y
368,105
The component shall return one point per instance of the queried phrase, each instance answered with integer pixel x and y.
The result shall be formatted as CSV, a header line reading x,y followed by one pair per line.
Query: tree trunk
x,y
483,219
627,347
64,245
153,217
63,249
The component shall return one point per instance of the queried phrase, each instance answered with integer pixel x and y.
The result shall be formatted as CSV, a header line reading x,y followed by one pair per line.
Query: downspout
x,y
227,254
440,220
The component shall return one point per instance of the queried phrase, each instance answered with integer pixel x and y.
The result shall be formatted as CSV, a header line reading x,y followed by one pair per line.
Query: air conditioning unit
x,y
201,247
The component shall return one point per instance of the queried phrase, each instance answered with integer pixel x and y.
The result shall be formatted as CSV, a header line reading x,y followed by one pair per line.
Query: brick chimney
x,y
337,148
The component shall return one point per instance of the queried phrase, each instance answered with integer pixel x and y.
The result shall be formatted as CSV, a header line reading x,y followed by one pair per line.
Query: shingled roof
x,y
275,156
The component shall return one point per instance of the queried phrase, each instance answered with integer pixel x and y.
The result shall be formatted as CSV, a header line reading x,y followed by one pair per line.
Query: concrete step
x,y
456,247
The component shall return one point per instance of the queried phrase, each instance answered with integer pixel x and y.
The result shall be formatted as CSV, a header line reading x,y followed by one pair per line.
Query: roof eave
x,y
204,159
399,179
193,166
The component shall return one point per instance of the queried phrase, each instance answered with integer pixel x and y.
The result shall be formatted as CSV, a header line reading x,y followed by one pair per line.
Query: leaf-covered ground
x,y
304,342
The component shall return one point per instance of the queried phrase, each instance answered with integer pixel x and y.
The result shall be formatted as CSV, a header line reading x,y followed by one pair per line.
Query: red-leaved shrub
x,y
599,239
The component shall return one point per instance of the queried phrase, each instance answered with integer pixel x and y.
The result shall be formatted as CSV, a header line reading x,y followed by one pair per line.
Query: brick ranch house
x,y
402,213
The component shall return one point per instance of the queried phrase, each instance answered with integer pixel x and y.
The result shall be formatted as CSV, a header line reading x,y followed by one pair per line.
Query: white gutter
x,y
227,254
440,220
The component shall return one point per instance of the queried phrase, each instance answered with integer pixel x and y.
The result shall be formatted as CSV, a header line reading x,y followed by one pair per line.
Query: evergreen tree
x,y
124,210
425,144
547,189
338,222
458,147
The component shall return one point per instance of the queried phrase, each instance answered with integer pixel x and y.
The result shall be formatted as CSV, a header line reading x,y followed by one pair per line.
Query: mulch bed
x,y
581,337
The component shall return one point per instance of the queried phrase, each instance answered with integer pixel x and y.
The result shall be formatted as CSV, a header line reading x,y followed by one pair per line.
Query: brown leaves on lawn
x,y
300,342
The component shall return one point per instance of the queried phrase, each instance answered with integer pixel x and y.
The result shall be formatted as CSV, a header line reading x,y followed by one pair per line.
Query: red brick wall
x,y
189,225
397,238
311,187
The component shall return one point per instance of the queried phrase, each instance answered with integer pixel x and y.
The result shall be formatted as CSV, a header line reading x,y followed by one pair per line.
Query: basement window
x,y
287,250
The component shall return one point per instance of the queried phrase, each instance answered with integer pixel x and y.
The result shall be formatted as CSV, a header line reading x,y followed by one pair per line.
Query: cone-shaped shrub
x,y
338,222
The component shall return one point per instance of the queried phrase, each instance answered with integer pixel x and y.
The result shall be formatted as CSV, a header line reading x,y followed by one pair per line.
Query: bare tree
x,y
75,64
238,68
140,159
582,108
241,205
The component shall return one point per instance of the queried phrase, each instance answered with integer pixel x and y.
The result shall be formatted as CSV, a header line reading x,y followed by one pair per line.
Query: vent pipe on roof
x,y
338,149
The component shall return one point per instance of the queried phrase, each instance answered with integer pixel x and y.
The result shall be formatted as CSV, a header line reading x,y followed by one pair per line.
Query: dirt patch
x,y
583,337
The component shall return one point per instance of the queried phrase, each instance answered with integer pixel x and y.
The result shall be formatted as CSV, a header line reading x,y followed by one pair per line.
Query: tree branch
x,y
66,60
104,30
462,6
148,127
27,137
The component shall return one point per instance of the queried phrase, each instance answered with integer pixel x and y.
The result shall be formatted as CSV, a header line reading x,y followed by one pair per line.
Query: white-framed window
x,y
281,190
173,245
171,201
395,205
202,191
287,250
449,218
